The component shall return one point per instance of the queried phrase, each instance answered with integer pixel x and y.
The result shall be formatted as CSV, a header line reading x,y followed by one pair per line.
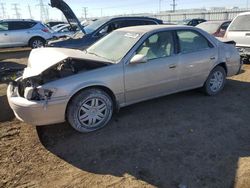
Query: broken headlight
x,y
38,93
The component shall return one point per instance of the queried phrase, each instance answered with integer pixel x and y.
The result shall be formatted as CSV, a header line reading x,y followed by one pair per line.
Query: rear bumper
x,y
36,112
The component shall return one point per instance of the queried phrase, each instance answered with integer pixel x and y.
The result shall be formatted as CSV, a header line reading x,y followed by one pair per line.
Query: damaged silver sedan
x,y
127,66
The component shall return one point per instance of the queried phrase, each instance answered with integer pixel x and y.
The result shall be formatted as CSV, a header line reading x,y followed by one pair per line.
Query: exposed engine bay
x,y
29,87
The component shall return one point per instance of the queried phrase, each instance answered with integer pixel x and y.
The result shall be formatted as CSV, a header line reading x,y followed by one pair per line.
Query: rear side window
x,y
224,26
20,25
191,41
31,24
4,26
241,23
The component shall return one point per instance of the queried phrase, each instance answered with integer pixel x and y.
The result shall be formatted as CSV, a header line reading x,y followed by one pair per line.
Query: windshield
x,y
114,46
95,25
241,23
209,27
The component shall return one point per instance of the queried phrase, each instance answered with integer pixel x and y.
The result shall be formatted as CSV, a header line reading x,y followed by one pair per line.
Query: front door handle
x,y
212,58
173,66
5,34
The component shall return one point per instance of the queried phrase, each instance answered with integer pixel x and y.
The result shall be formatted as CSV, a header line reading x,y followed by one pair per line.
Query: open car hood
x,y
42,59
67,11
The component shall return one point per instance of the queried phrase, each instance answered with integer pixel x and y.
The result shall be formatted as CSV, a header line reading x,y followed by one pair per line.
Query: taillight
x,y
45,30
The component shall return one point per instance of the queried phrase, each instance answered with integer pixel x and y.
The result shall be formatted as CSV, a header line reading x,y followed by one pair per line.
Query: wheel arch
x,y
37,36
223,65
101,87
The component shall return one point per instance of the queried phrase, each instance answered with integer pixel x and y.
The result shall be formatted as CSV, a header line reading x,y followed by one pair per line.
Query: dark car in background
x,y
99,28
216,28
192,22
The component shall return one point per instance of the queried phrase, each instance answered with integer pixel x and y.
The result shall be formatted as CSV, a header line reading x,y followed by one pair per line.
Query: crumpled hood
x,y
43,58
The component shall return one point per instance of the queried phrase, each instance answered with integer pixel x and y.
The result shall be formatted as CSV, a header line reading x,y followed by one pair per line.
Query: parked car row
x,y
122,67
129,65
100,28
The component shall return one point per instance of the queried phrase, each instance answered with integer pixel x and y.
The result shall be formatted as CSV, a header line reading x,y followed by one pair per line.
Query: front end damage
x,y
31,87
34,101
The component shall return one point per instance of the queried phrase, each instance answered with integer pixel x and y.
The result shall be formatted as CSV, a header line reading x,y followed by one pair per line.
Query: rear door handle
x,y
5,34
247,34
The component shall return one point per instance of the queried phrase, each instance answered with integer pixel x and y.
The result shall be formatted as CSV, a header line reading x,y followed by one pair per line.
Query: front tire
x,y
215,81
90,110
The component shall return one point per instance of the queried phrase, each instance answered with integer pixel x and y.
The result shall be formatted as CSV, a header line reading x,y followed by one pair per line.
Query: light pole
x,y
160,6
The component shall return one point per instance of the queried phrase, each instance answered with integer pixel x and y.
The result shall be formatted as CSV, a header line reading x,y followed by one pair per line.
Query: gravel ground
x,y
182,139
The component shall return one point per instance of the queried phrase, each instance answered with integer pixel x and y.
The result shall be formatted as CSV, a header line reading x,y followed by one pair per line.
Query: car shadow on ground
x,y
185,138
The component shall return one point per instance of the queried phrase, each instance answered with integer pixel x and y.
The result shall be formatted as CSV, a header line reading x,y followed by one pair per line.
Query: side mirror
x,y
138,58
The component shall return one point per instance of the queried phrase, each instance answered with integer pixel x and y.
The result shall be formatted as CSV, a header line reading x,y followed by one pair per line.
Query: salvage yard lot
x,y
185,138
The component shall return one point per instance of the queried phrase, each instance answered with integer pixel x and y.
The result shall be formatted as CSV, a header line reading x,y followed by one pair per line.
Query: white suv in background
x,y
239,31
16,32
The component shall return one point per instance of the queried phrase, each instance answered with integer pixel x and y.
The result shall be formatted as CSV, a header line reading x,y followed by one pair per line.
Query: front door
x,y
156,77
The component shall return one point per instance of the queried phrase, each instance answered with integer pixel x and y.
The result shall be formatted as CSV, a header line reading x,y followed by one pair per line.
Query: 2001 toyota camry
x,y
127,66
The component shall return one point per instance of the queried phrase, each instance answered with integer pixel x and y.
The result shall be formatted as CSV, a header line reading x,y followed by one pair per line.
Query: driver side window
x,y
109,28
157,46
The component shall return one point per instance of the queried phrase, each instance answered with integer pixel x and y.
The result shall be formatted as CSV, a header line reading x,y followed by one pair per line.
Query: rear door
x,y
196,57
5,40
239,30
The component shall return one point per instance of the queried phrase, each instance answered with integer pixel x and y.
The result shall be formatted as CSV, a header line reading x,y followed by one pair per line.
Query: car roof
x,y
132,17
148,28
215,21
244,13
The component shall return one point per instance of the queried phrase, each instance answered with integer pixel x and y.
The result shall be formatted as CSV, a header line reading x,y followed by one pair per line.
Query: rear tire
x,y
90,110
36,42
215,81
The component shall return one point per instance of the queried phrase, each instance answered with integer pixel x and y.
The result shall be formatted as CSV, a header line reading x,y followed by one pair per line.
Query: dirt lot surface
x,y
185,139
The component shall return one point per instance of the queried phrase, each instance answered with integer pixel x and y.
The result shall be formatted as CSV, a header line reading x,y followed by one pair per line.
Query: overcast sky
x,y
98,8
